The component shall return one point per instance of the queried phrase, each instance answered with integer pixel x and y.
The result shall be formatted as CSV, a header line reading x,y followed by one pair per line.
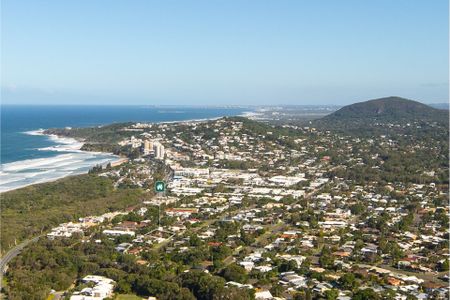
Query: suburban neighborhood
x,y
273,213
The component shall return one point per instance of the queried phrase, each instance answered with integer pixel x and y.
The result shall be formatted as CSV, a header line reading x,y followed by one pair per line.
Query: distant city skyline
x,y
223,52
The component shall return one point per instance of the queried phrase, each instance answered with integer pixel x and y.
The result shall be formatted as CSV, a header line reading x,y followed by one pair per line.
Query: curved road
x,y
14,252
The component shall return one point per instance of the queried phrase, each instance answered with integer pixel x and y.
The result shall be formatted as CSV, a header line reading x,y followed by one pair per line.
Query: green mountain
x,y
373,114
390,108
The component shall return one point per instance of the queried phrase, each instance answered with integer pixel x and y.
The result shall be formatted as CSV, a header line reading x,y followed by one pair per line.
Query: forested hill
x,y
389,109
374,115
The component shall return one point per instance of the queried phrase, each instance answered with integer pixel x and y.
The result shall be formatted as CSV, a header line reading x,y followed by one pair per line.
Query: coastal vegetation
x,y
32,210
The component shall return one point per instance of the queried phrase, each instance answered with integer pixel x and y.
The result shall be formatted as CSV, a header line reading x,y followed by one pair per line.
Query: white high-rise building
x,y
159,151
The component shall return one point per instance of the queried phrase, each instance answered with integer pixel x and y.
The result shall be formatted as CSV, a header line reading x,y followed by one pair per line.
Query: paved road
x,y
14,252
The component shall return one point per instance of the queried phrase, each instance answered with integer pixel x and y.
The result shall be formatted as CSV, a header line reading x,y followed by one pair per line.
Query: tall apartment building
x,y
159,150
148,147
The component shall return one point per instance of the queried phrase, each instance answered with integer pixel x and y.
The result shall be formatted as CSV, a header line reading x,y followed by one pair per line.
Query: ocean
x,y
29,157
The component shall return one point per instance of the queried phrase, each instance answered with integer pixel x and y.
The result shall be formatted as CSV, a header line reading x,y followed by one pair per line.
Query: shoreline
x,y
40,182
63,140
69,149
68,145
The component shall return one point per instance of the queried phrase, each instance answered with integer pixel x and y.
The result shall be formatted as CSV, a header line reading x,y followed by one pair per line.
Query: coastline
x,y
67,146
246,114
70,160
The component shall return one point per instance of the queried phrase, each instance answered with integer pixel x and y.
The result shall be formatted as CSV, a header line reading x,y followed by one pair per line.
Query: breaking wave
x,y
69,160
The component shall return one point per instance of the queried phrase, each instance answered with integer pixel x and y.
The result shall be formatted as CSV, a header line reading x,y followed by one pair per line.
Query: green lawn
x,y
128,297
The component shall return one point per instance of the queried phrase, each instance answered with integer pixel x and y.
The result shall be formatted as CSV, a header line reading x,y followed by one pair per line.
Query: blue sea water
x,y
28,157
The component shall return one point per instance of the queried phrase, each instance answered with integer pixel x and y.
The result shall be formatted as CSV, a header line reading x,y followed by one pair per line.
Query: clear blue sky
x,y
223,52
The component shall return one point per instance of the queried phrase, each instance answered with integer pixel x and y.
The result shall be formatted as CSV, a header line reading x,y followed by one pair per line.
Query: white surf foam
x,y
35,132
72,161
27,164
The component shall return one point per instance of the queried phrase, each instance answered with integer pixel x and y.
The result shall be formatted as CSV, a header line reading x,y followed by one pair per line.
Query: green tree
x,y
366,294
123,286
194,240
326,260
236,273
276,290
348,281
331,294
